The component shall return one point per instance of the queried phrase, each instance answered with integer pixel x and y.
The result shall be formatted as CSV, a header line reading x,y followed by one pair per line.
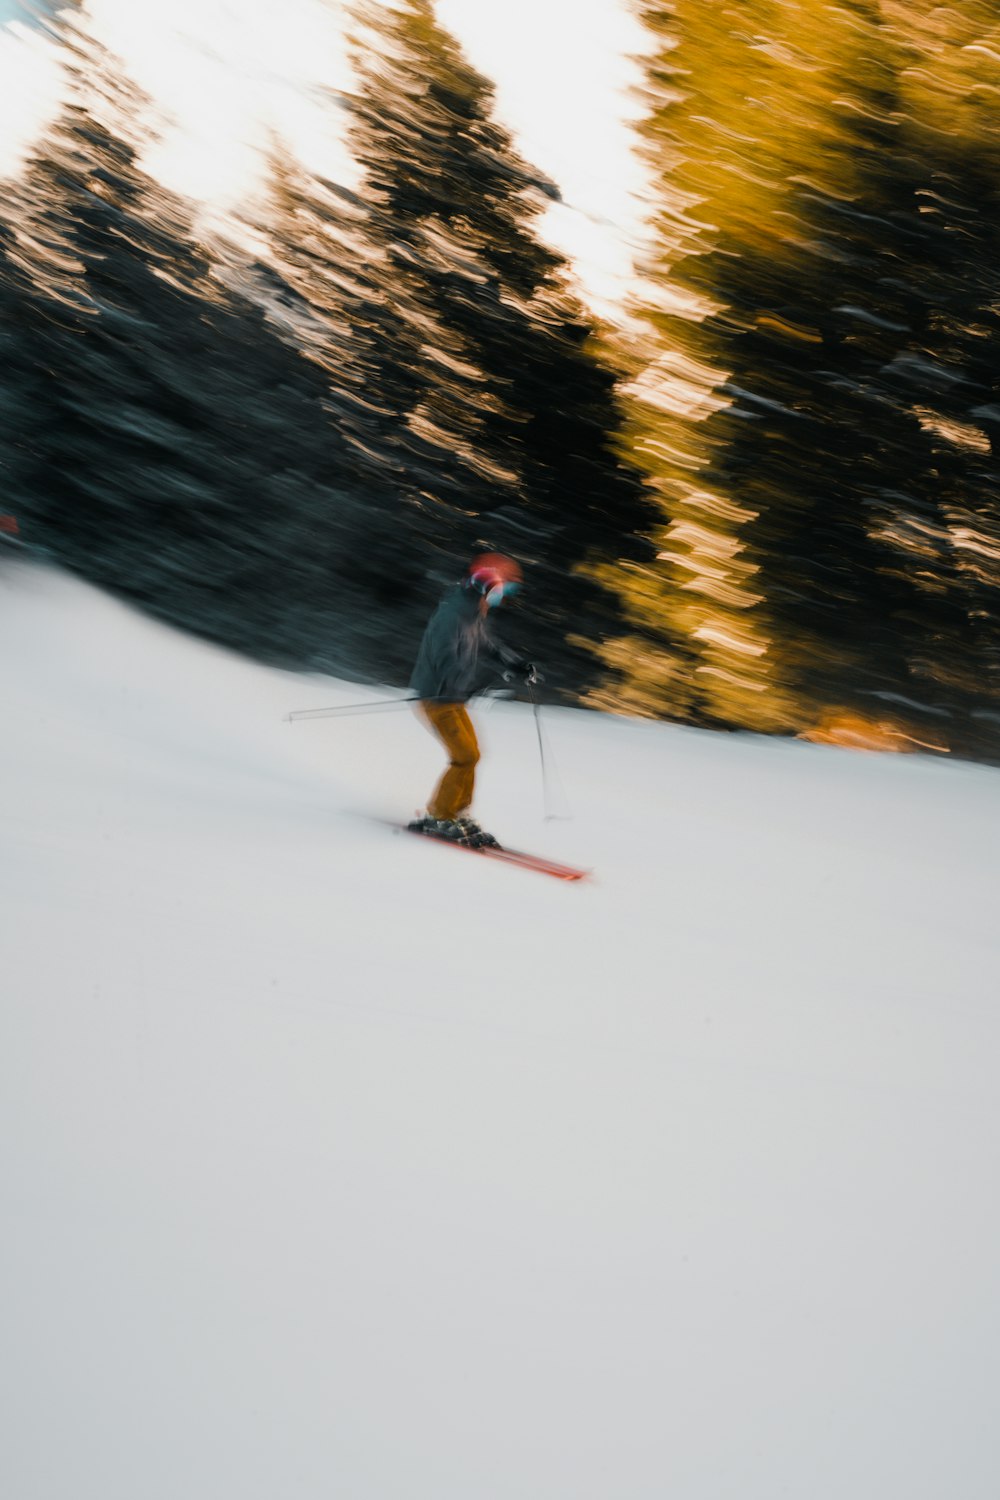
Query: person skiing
x,y
458,656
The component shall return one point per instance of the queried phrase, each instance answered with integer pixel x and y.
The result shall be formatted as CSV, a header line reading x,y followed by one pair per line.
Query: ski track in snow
x,y
337,1165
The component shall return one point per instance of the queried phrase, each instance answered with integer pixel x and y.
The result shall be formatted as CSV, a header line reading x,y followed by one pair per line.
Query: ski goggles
x,y
501,591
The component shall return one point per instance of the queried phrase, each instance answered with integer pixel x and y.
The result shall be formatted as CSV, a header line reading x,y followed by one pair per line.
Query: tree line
x,y
291,450
773,500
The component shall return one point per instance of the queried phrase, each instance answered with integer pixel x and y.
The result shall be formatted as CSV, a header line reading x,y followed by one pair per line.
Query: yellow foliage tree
x,y
745,110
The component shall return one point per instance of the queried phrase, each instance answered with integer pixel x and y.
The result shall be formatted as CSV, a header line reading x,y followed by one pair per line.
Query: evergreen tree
x,y
809,439
490,372
333,307
948,380
26,393
807,555
188,458
857,433
701,645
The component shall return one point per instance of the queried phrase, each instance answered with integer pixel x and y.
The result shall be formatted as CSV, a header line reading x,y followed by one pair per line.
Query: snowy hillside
x,y
339,1164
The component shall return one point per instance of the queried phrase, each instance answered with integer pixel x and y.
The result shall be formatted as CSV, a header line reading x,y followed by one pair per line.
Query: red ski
x,y
508,856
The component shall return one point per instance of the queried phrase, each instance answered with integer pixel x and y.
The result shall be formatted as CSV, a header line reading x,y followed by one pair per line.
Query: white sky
x,y
227,73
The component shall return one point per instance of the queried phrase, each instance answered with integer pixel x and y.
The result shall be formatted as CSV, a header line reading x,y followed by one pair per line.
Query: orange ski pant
x,y
453,727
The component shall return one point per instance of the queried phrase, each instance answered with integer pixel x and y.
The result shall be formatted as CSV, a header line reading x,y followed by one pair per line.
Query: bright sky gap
x,y
228,77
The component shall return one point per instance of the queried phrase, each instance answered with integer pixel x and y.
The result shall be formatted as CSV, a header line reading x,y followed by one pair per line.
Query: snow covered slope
x,y
337,1164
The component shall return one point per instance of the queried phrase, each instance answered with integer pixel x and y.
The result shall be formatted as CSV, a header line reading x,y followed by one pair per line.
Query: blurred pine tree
x,y
179,451
503,411
814,252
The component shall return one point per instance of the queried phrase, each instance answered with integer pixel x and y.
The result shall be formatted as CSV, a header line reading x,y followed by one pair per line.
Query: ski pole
x,y
374,706
546,799
541,751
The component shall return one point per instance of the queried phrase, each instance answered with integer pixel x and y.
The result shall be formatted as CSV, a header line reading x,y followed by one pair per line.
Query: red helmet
x,y
494,576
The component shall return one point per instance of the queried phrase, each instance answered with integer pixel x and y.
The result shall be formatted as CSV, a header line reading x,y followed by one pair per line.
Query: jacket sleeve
x,y
502,655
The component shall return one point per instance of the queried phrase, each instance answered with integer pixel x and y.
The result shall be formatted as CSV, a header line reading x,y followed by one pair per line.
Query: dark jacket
x,y
459,654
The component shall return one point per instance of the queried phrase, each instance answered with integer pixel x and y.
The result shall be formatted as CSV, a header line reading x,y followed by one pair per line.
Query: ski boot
x,y
440,828
477,837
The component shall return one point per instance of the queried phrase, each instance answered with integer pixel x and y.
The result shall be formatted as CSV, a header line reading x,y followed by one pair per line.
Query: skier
x,y
458,655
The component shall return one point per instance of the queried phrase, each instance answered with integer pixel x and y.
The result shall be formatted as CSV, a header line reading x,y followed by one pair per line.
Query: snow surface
x,y
337,1164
